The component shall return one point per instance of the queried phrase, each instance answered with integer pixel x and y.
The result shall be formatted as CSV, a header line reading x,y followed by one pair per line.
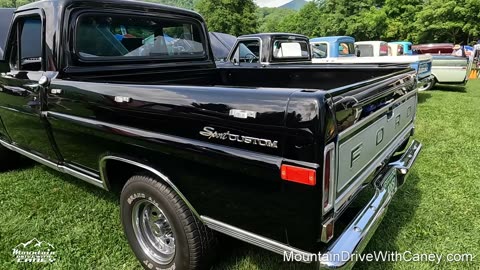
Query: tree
x,y
269,18
229,16
448,21
14,3
369,24
401,19
307,21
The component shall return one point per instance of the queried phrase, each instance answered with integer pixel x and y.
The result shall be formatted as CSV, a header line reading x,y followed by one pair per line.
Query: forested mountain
x,y
295,4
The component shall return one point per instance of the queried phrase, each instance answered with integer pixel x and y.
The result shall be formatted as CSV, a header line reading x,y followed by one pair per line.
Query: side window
x,y
248,51
320,50
27,48
346,48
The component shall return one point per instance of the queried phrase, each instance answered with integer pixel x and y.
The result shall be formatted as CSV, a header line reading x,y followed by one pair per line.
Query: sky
x,y
271,3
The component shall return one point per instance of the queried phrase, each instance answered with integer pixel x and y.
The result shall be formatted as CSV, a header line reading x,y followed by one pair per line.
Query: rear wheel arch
x,y
124,168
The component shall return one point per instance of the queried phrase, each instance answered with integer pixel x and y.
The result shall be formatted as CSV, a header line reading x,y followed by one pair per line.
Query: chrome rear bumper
x,y
356,236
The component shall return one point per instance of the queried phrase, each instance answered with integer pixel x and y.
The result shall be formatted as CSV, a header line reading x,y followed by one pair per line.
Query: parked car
x,y
433,48
371,48
451,70
422,64
333,47
270,153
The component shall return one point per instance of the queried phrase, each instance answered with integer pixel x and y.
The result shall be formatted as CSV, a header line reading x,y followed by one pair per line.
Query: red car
x,y
434,48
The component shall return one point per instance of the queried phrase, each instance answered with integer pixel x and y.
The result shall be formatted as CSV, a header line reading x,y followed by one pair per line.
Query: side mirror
x,y
44,81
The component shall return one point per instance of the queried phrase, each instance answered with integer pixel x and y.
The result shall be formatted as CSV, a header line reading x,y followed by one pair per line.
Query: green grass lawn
x,y
437,211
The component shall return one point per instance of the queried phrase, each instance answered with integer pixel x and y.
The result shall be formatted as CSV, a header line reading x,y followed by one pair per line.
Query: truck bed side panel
x,y
222,178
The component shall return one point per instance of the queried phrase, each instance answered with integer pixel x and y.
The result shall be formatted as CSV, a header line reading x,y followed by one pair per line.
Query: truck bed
x,y
283,76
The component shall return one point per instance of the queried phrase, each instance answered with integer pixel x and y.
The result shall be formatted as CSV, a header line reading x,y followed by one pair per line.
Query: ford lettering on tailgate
x,y
359,151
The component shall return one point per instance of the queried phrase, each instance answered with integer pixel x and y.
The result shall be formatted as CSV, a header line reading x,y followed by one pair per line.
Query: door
x,y
21,95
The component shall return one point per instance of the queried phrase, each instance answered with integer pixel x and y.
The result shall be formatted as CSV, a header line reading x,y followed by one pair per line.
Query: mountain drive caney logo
x,y
34,251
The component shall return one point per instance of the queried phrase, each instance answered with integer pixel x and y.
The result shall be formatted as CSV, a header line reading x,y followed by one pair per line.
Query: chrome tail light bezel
x,y
328,160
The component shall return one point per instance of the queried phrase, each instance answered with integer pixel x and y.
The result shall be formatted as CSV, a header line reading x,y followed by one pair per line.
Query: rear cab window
x,y
121,37
290,50
365,50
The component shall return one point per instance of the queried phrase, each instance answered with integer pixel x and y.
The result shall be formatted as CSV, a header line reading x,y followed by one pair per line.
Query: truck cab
x,y
372,48
270,49
333,47
398,48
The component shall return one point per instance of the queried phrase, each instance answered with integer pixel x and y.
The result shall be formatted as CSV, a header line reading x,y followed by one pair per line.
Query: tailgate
x,y
373,121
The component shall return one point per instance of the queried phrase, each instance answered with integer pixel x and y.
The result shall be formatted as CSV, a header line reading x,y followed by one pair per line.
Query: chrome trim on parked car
x,y
354,239
59,167
253,239
164,178
332,184
404,164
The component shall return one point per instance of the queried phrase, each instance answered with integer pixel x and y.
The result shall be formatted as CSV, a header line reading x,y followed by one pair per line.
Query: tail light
x,y
328,177
299,175
383,50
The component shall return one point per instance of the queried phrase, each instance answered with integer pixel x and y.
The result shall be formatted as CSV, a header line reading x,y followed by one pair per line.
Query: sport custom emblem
x,y
212,134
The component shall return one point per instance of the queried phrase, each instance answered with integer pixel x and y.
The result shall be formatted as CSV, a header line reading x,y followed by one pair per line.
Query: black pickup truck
x,y
126,96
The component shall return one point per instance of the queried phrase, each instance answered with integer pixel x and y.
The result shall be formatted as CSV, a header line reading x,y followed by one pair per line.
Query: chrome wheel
x,y
153,232
426,86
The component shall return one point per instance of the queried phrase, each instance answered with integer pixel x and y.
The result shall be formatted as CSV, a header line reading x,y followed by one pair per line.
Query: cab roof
x,y
268,35
333,39
128,4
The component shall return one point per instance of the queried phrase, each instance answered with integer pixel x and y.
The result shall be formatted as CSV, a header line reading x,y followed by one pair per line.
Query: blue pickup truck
x,y
333,47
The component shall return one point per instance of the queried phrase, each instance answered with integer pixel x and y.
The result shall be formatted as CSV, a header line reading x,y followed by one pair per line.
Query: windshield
x,y
122,36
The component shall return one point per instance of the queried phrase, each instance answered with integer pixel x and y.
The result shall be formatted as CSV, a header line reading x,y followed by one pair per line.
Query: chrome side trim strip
x,y
253,239
332,184
164,178
450,67
91,180
59,167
